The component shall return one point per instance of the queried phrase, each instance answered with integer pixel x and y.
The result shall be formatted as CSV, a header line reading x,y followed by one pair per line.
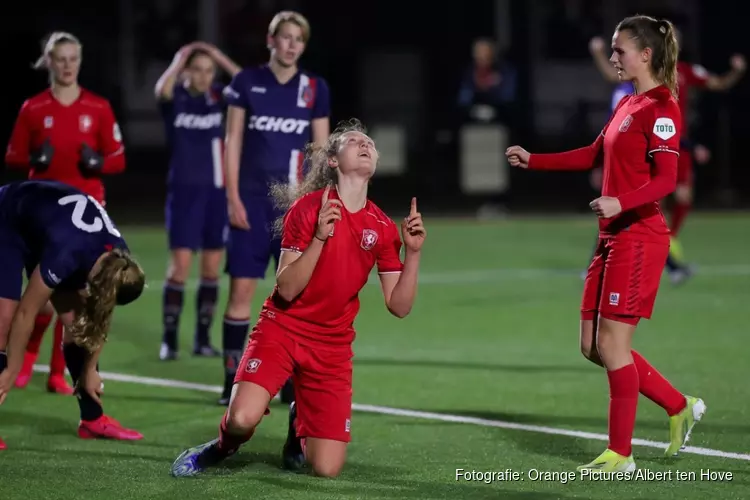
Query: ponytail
x,y
48,45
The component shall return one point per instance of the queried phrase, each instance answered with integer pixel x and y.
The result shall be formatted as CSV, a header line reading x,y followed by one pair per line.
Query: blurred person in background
x,y
488,86
192,108
274,111
690,76
68,134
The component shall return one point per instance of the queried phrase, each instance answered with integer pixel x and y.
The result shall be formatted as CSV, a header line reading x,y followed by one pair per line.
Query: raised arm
x,y
598,50
721,83
164,89
221,59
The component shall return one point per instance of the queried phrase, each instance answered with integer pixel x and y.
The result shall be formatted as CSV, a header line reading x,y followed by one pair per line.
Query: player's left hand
x,y
6,383
606,207
92,384
91,161
412,229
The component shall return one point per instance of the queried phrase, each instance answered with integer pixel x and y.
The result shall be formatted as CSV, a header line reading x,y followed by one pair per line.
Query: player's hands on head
x,y
238,214
91,383
738,62
517,156
606,207
412,229
330,212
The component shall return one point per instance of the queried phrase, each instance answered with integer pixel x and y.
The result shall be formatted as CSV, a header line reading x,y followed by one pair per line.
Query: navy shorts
x,y
197,217
250,252
15,260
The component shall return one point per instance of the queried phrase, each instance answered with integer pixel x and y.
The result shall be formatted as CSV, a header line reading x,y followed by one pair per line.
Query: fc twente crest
x,y
369,238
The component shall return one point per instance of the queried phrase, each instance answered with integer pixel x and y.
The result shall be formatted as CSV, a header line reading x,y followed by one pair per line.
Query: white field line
x,y
441,417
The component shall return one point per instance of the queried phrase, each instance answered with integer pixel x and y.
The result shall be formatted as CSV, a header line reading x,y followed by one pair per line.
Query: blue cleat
x,y
193,461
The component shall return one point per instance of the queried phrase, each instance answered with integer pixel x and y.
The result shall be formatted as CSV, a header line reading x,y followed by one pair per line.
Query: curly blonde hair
x,y
320,173
119,281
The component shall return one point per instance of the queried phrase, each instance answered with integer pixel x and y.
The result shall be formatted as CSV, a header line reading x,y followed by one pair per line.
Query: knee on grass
x,y
325,457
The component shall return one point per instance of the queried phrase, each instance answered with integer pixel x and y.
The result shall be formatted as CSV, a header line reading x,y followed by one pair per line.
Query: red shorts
x,y
623,279
685,168
322,379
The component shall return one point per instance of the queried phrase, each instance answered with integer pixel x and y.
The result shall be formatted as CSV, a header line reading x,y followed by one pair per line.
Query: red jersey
x,y
324,312
688,76
640,144
89,120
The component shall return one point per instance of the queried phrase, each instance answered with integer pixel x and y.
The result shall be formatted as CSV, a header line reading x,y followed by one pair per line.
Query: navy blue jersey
x,y
61,229
621,90
278,120
195,127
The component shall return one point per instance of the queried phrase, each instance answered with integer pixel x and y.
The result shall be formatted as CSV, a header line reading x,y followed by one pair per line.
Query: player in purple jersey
x,y
196,209
274,111
75,257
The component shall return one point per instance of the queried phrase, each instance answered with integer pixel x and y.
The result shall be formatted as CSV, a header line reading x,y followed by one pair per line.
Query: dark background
x,y
345,37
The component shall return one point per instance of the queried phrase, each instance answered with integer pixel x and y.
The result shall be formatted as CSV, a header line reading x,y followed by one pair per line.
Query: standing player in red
x,y
689,77
332,238
640,147
69,135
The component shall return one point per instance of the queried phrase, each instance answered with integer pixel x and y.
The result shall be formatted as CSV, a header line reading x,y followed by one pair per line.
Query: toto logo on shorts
x,y
252,365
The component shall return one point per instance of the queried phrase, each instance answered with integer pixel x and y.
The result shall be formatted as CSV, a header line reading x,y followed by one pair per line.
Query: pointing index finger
x,y
413,207
324,200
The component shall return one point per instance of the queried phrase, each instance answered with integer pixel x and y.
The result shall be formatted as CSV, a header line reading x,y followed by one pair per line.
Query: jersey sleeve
x,y
322,105
663,129
110,142
235,94
389,256
299,227
56,266
696,75
18,151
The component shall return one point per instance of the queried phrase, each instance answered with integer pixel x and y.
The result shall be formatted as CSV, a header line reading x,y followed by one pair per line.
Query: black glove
x,y
42,157
91,162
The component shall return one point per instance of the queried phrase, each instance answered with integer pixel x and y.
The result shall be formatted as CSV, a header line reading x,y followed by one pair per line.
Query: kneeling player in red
x,y
640,145
332,237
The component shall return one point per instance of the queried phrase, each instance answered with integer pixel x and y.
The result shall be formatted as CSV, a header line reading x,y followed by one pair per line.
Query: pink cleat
x,y
27,370
3,446
58,385
106,427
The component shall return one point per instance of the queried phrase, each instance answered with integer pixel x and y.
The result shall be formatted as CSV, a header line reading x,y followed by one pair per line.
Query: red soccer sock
x,y
655,387
679,212
57,363
41,323
229,443
623,403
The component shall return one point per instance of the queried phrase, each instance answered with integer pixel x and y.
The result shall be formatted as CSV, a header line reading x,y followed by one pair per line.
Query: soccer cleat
x,y
609,461
206,351
58,385
3,446
287,392
166,353
681,274
195,460
681,425
106,427
293,456
27,370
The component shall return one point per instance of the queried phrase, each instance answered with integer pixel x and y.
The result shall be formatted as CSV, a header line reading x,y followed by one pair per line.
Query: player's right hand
x,y
42,157
238,215
517,156
6,382
330,212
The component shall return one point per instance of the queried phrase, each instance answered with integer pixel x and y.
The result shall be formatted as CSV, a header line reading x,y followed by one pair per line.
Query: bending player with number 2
x,y
75,257
332,237
640,145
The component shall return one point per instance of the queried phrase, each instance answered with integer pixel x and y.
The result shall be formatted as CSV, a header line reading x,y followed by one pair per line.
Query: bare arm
x,y
35,296
599,54
400,289
221,59
296,269
164,89
721,83
233,150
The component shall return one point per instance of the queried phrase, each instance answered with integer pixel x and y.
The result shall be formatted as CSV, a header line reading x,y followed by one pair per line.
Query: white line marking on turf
x,y
470,276
441,417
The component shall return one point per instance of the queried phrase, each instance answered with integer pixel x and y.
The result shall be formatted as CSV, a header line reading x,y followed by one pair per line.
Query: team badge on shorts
x,y
253,365
614,299
369,238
